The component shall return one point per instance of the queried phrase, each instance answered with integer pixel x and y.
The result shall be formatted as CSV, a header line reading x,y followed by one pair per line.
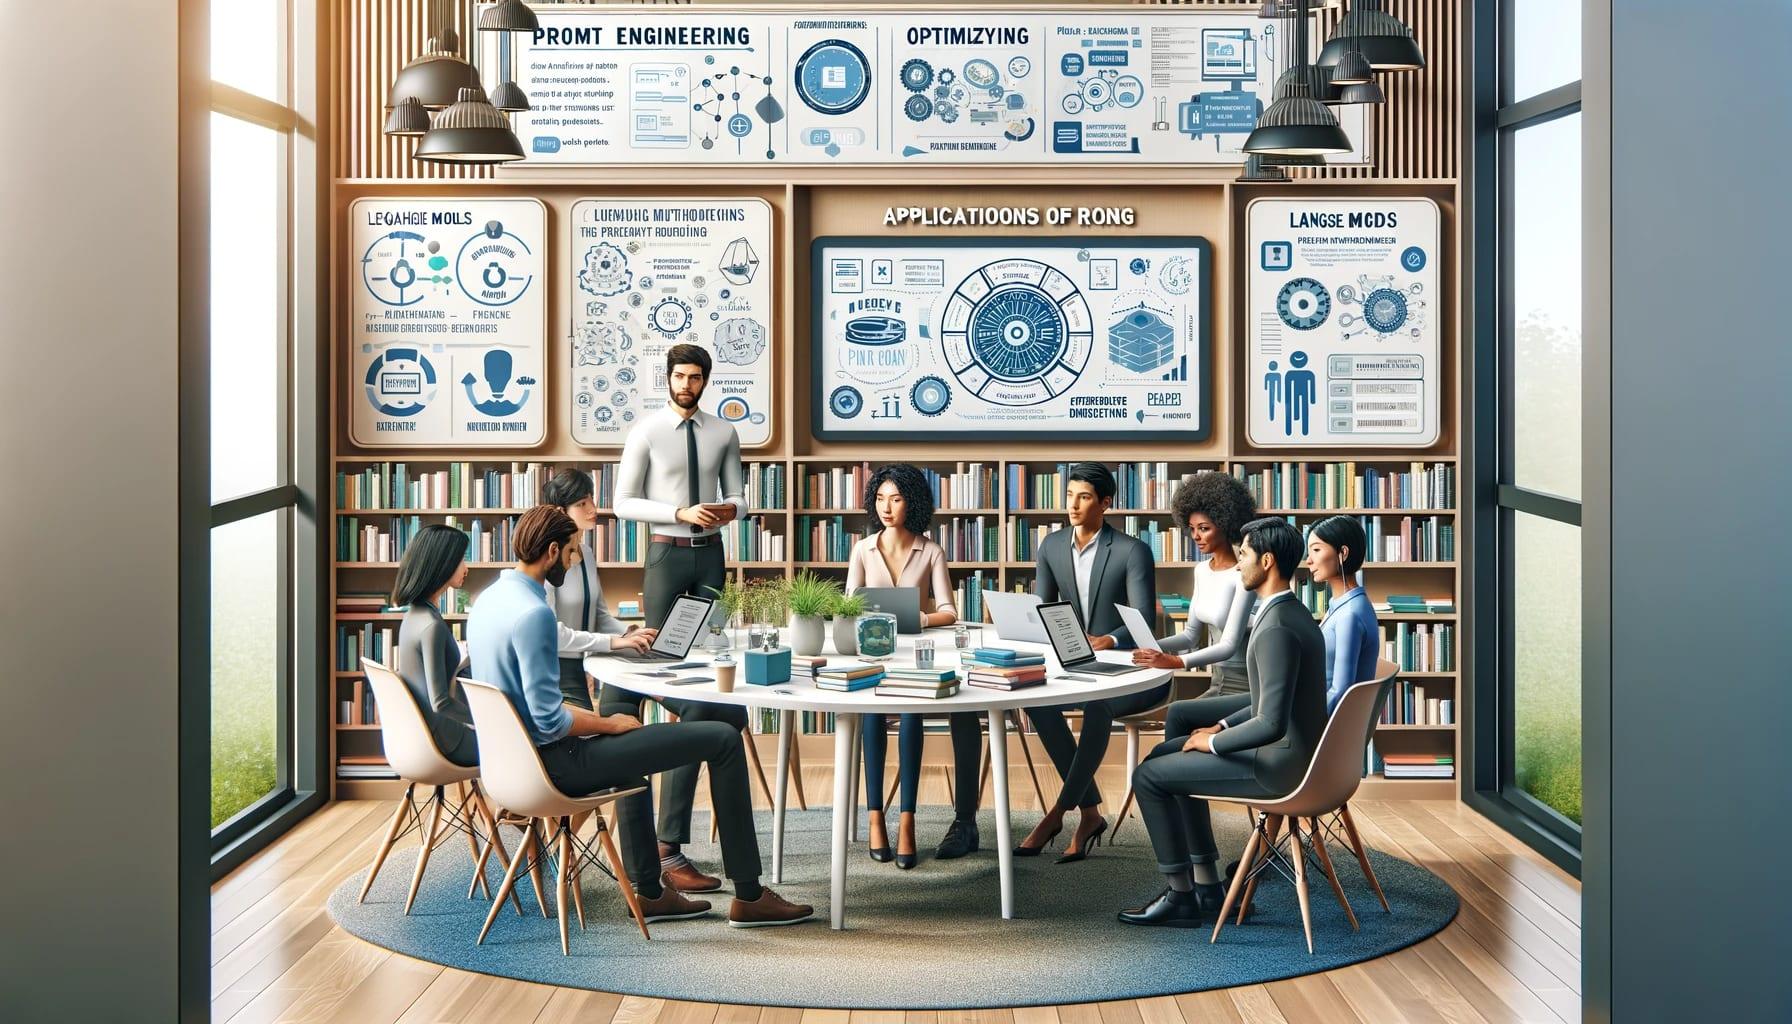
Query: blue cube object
x,y
768,668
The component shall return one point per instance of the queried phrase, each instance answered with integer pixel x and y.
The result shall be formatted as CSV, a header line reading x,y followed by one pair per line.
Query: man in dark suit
x,y
1094,567
1245,746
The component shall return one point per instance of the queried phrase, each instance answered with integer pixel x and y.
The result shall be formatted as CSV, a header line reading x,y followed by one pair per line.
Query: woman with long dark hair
x,y
901,554
428,657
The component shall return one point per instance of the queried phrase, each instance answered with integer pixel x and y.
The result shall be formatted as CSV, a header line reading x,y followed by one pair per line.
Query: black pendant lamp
x,y
408,119
436,78
1384,40
1361,92
1297,123
508,16
1257,169
472,131
1352,69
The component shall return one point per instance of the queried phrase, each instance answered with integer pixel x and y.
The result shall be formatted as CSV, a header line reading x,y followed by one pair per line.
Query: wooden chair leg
x,y
758,767
496,842
379,855
538,853
1272,829
423,851
1232,892
1132,764
575,874
1300,880
1362,856
1026,750
562,842
464,818
796,771
508,885
1331,873
628,888
951,790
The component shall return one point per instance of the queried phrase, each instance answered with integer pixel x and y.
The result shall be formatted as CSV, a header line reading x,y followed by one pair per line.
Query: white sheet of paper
x,y
1142,634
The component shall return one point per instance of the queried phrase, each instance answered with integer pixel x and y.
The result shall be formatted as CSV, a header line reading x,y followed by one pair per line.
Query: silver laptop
x,y
1065,631
1013,615
902,602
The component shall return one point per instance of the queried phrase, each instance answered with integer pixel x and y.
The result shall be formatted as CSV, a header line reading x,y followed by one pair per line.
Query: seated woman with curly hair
x,y
901,554
1213,508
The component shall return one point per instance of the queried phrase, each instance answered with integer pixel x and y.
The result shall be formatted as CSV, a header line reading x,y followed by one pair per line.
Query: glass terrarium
x,y
876,631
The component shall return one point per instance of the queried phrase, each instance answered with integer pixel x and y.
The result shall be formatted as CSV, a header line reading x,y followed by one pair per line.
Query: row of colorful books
x,y
969,485
752,540
394,485
1408,766
1333,485
356,706
1415,704
1408,539
1420,646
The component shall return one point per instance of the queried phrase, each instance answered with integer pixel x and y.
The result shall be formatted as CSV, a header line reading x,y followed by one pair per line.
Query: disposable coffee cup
x,y
724,675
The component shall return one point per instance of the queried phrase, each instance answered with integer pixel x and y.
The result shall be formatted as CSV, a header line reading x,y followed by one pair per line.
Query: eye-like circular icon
x,y
1303,304
846,402
930,396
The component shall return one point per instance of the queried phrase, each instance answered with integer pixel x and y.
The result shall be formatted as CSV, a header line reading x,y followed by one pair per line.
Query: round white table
x,y
1061,687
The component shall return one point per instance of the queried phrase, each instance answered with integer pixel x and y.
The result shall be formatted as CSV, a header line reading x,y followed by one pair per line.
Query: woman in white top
x,y
901,554
1213,508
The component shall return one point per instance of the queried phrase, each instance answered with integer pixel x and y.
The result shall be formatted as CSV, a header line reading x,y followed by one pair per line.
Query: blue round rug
x,y
929,938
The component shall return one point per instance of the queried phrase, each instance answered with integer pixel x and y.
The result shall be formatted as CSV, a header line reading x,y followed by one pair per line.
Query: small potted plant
x,y
733,600
811,598
768,608
846,612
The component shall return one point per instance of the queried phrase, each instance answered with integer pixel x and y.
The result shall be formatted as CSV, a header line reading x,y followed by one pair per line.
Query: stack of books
x,y
804,668
1412,604
1007,678
364,766
926,683
1004,657
1419,766
847,676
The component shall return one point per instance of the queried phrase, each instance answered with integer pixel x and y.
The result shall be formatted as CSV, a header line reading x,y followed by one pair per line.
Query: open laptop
x,y
1013,615
902,602
1065,631
680,628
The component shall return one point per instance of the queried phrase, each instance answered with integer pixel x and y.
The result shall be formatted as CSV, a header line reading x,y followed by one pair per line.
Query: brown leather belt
x,y
701,541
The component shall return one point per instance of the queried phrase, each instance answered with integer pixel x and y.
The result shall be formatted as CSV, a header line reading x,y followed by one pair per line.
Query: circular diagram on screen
x,y
1016,332
400,382
1303,304
833,76
1385,310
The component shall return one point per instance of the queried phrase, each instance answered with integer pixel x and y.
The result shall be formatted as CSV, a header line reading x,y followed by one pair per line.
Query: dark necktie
x,y
690,462
585,612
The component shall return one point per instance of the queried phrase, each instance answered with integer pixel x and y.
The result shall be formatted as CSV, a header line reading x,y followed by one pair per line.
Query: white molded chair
x,y
1332,779
516,778
414,756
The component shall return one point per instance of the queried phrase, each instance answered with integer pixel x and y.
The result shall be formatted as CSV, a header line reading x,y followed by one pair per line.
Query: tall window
x,y
1532,496
255,497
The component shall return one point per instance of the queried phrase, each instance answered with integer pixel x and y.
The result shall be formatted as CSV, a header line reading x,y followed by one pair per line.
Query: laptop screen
x,y
684,620
1065,631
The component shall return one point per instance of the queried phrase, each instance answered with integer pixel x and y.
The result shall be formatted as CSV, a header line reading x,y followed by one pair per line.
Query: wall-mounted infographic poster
x,y
647,274
1002,338
448,329
833,85
1344,318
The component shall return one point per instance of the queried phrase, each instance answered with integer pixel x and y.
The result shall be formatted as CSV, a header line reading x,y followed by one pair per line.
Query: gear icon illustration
x,y
948,113
670,316
917,75
948,76
918,108
1385,310
930,396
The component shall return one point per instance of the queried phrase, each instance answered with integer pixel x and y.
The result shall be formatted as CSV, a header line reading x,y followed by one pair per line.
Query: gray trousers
x,y
680,792
672,571
1227,681
1180,827
1077,760
579,765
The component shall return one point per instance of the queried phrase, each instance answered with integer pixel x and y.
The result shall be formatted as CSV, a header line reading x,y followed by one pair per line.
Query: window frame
x,y
301,778
1489,736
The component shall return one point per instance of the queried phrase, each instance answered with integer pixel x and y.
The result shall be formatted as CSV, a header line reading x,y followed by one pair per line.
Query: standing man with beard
x,y
681,474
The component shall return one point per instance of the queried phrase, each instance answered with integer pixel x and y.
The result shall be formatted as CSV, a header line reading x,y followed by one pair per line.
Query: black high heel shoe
x,y
1034,851
1089,842
908,860
881,854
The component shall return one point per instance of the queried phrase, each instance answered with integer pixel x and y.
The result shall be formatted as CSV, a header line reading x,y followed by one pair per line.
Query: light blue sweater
x,y
511,635
1352,644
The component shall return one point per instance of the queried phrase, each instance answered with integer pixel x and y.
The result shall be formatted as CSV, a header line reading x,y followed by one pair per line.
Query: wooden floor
x,y
1513,954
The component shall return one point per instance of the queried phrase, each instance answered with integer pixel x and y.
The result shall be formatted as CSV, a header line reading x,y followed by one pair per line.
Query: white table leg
x,y
845,727
858,762
786,727
998,768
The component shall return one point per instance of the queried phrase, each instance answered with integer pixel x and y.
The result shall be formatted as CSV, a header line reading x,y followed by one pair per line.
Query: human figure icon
x,y
1272,383
1300,394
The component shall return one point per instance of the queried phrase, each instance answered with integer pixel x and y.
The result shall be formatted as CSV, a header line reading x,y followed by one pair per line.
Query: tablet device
x,y
1013,615
680,628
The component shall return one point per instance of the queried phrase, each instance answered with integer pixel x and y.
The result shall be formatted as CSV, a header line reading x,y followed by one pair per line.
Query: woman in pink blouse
x,y
901,554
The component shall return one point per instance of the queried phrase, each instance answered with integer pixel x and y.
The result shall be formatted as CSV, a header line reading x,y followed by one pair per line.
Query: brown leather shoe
x,y
686,878
670,905
768,911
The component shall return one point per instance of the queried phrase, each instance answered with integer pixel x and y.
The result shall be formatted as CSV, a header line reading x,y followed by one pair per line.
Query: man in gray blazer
x,y
1251,746
1094,567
